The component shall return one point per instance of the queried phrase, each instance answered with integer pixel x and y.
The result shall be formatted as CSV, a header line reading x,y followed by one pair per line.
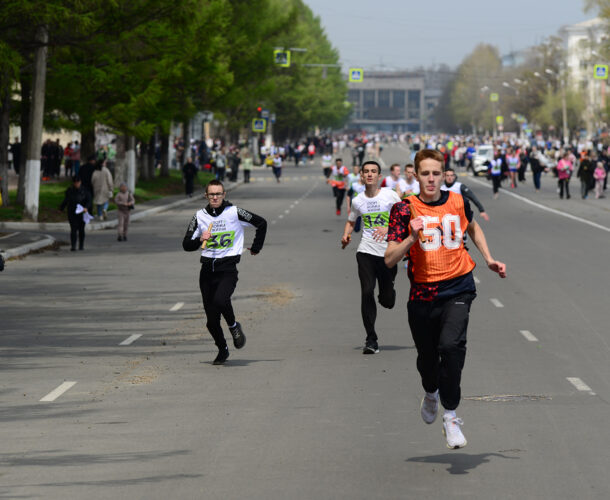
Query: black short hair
x,y
372,162
214,182
449,169
338,159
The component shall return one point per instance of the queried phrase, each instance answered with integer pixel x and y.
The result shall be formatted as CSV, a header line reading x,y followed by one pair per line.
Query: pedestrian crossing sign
x,y
600,71
282,58
259,125
356,74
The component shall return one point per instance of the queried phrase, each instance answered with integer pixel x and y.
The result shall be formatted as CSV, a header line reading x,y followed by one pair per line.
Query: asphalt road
x,y
300,413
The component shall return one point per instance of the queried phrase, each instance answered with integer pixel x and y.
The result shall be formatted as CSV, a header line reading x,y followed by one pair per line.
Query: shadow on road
x,y
243,362
459,463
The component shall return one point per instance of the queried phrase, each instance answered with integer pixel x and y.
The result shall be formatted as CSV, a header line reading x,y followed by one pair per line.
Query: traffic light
x,y
259,109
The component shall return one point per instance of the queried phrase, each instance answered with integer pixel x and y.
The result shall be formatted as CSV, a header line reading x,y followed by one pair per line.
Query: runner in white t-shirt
x,y
412,186
374,206
327,164
394,181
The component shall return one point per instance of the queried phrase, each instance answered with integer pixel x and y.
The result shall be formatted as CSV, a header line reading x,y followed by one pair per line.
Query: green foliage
x,y
137,65
470,106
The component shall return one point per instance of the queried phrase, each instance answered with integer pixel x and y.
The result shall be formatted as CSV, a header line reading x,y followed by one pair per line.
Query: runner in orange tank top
x,y
429,228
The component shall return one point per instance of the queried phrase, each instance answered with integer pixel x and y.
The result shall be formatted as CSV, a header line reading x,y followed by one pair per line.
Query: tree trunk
x,y
120,165
130,157
186,134
4,142
142,158
32,165
164,155
87,147
25,127
151,162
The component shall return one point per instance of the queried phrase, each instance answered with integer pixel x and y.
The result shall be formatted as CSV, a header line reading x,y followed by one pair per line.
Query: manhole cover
x,y
507,398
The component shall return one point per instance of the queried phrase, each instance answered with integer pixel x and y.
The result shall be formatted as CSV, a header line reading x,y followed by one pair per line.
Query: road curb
x,y
28,247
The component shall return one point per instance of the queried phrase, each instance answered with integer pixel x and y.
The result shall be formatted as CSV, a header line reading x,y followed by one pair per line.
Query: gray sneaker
x,y
429,407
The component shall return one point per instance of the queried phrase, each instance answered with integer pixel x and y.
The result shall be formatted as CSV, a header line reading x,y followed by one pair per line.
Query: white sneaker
x,y
453,433
429,408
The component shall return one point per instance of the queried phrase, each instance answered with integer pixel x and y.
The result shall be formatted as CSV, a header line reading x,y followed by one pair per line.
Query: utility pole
x,y
32,163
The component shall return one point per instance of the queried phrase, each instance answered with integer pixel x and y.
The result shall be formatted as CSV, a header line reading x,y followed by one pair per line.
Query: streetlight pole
x,y
564,107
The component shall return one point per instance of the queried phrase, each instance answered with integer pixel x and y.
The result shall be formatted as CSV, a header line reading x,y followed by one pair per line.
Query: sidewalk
x,y
20,238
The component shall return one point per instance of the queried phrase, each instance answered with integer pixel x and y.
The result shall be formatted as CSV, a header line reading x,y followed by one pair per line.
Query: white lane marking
x,y
580,385
54,394
291,206
548,209
296,202
177,306
496,302
273,221
477,280
286,212
8,235
281,216
131,339
528,335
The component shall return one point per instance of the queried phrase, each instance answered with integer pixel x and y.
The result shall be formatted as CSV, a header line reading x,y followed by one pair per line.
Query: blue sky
x,y
401,34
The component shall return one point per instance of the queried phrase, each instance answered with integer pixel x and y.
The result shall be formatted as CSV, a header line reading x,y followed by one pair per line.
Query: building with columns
x,y
388,101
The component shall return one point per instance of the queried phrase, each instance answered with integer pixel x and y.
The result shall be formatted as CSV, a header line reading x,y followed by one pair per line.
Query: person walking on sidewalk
x,y
220,228
247,165
189,172
429,228
76,195
599,174
125,202
101,181
374,206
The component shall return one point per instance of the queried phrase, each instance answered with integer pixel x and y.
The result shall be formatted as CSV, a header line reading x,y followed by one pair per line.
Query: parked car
x,y
483,154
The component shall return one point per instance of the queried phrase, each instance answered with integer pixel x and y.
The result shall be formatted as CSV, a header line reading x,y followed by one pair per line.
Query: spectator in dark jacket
x,y
76,195
86,172
585,174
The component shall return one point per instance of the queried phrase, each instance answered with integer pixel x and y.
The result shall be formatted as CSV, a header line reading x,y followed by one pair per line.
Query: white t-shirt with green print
x,y
375,212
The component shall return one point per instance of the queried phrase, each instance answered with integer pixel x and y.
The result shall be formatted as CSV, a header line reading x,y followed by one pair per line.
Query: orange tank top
x,y
442,255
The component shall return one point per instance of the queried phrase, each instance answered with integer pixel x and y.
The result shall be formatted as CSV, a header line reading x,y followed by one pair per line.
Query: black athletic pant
x,y
439,332
496,181
372,269
339,195
216,291
77,226
564,183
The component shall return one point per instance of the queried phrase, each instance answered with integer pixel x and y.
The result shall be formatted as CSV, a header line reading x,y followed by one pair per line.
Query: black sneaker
x,y
370,347
223,355
239,339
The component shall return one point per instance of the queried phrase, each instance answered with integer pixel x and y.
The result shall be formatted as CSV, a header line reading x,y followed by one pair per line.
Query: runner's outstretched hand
x,y
498,267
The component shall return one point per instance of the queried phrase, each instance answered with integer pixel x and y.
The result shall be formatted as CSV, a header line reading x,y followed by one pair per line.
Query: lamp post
x,y
564,107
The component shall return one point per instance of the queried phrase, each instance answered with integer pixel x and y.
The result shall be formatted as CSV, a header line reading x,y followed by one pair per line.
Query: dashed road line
x,y
477,280
54,394
131,339
177,307
496,302
580,385
528,335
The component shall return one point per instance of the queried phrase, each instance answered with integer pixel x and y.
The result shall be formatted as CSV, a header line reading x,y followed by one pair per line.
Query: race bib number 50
x,y
221,240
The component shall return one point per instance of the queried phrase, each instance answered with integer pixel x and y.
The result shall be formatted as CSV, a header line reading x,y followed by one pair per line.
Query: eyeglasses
x,y
214,195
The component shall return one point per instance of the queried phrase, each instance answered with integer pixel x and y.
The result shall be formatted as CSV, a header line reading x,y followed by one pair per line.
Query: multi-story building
x,y
388,102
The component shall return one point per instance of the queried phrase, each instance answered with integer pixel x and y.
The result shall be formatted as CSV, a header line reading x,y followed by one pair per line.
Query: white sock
x,y
233,326
432,395
449,413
